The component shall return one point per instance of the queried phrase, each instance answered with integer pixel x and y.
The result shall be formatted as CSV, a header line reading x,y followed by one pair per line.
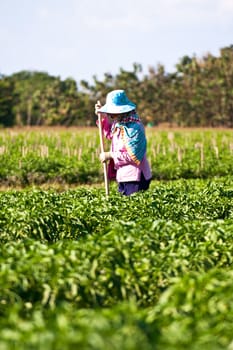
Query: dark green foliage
x,y
198,93
66,157
7,102
82,271
150,271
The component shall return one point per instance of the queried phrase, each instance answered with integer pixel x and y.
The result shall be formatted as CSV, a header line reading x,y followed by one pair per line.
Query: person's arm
x,y
106,125
122,158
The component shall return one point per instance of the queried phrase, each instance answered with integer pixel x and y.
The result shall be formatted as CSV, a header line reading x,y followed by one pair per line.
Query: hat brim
x,y
117,109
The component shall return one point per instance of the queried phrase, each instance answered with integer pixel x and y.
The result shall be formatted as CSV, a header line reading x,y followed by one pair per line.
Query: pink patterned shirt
x,y
127,169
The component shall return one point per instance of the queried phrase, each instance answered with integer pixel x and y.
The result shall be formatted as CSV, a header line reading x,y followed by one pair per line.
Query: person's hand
x,y
104,156
97,107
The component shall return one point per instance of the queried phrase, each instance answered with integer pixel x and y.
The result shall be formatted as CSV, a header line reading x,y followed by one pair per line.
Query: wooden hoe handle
x,y
102,150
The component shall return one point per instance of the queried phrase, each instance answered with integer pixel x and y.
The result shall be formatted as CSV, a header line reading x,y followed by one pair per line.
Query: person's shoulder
x,y
137,126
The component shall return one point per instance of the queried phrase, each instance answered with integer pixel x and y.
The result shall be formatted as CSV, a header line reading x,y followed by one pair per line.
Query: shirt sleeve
x,y
122,158
106,127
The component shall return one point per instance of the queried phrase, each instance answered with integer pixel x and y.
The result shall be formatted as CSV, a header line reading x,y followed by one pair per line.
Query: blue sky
x,y
82,38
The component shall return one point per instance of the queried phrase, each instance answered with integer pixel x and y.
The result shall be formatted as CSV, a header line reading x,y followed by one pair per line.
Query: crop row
x,y
129,261
54,294
50,215
71,156
150,271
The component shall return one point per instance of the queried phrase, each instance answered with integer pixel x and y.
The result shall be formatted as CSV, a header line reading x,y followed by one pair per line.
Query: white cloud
x,y
128,21
43,13
148,15
226,6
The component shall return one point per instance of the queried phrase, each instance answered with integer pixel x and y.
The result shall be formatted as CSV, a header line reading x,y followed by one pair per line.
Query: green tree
x,y
7,100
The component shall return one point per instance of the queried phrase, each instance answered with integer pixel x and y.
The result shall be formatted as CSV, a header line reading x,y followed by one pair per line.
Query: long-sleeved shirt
x,y
127,169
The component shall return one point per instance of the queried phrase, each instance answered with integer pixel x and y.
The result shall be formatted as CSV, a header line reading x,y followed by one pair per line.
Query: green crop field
x,y
70,156
82,271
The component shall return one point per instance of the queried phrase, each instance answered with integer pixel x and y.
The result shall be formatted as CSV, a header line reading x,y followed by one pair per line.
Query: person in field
x,y
127,160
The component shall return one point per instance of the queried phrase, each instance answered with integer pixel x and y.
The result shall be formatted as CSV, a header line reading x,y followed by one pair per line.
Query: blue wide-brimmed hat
x,y
117,102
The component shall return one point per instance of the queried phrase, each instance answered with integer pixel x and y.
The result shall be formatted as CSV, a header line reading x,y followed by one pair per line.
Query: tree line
x,y
198,93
